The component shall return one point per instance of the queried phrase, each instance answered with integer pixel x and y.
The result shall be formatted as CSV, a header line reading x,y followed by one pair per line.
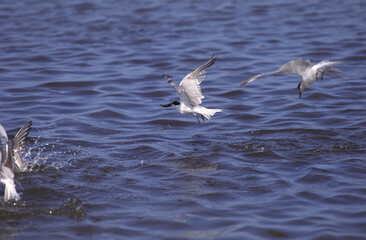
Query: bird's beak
x,y
166,105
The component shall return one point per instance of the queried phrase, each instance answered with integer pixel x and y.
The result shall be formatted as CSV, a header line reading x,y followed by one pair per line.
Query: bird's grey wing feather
x,y
192,90
326,67
183,97
3,145
9,161
19,144
18,140
326,64
190,85
251,79
200,72
297,66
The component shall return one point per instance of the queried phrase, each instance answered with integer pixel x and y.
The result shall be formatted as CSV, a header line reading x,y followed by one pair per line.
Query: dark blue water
x,y
107,162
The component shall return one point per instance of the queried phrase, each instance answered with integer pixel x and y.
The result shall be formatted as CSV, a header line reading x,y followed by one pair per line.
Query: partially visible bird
x,y
309,73
190,93
11,159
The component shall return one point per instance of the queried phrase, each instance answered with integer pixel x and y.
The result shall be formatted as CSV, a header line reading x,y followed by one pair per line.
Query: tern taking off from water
x,y
190,94
11,159
303,68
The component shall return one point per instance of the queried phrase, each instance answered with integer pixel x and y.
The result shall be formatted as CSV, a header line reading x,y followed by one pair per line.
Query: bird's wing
x,y
9,160
171,81
326,64
19,144
190,85
183,97
297,66
18,140
3,146
200,72
251,79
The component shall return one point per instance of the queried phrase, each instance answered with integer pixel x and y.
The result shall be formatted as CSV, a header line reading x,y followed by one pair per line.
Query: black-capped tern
x,y
309,73
190,93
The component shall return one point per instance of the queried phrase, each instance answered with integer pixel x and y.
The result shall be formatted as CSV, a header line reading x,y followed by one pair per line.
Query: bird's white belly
x,y
309,78
185,109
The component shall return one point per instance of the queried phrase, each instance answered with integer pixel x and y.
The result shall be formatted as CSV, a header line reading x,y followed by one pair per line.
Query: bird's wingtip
x,y
249,80
243,83
211,60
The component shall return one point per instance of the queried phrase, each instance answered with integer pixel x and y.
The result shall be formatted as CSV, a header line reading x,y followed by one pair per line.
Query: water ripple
x,y
105,160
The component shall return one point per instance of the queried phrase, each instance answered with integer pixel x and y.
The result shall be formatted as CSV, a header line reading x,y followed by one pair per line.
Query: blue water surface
x,y
107,161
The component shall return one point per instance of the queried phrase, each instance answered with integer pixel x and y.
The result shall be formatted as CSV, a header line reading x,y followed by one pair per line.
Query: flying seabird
x,y
190,93
309,73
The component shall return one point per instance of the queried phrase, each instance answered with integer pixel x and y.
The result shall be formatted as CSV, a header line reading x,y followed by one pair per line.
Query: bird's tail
x,y
207,113
7,178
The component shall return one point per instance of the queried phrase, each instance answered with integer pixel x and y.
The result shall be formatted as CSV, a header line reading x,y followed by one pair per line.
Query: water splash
x,y
43,155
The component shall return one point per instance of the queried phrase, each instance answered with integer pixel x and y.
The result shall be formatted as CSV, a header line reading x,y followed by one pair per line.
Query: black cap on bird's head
x,y
175,103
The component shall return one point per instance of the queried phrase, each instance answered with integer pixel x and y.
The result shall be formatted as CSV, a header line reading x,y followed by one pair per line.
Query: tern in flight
x,y
11,159
190,94
309,73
